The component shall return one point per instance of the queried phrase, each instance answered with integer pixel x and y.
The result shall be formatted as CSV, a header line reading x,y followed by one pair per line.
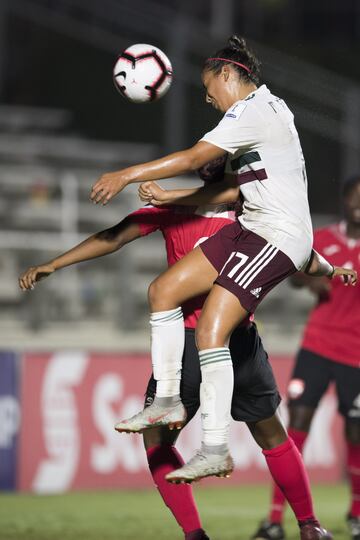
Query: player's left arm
x,y
318,266
218,193
137,224
172,165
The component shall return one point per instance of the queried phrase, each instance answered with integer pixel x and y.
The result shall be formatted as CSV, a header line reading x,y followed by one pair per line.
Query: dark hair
x,y
348,185
236,50
213,171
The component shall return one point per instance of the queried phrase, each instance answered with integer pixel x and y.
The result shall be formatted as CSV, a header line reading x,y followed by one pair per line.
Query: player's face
x,y
216,90
352,205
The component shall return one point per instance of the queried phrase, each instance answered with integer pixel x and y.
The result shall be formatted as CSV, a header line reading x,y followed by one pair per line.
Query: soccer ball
x,y
142,73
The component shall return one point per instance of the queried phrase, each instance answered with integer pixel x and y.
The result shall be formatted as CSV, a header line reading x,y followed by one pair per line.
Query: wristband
x,y
331,275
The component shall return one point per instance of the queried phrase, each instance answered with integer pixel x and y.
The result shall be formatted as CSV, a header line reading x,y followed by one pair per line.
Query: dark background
x,y
61,54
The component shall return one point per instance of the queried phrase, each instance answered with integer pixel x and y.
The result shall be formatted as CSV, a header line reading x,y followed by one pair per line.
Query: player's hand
x,y
348,275
152,193
34,274
107,187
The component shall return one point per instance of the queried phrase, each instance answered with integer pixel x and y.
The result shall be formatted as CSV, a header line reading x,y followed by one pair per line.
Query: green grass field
x,y
227,513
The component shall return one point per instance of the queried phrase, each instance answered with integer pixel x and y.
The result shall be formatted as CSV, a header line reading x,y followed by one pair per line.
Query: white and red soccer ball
x,y
142,73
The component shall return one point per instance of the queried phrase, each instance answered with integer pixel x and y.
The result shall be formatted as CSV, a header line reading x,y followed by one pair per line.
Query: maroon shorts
x,y
247,264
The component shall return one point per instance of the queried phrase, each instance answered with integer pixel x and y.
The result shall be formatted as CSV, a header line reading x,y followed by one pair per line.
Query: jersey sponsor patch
x,y
235,111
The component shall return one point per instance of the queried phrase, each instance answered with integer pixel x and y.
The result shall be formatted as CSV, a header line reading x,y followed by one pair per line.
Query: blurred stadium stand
x,y
45,209
46,172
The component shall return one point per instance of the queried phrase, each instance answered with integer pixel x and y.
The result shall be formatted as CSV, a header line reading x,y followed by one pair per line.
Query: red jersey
x,y
183,228
333,328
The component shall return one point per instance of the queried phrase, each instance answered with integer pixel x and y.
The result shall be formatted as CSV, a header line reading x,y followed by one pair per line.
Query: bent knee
x,y
161,295
207,337
153,293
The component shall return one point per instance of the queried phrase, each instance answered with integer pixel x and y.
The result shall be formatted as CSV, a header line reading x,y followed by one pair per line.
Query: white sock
x,y
167,347
216,395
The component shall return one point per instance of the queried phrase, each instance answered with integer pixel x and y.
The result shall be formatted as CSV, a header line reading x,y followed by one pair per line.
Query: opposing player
x,y
269,242
330,352
255,397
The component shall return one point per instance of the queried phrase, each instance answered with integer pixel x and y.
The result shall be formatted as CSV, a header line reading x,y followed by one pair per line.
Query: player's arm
x,y
219,193
97,245
319,268
172,165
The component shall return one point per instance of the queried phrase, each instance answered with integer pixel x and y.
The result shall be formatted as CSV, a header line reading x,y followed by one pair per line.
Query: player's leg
x,y
310,379
289,474
163,458
352,434
299,425
255,401
191,276
347,380
269,432
222,312
245,263
161,453
251,268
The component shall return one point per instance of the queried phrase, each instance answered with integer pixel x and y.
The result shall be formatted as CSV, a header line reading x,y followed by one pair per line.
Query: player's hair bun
x,y
236,51
237,43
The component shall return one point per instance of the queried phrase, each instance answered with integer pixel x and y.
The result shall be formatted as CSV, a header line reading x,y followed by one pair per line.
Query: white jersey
x,y
266,159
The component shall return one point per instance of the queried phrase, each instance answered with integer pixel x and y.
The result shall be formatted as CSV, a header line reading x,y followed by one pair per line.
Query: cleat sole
x,y
128,431
225,474
181,480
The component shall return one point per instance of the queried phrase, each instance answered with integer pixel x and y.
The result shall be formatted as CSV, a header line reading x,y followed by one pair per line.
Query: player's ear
x,y
225,72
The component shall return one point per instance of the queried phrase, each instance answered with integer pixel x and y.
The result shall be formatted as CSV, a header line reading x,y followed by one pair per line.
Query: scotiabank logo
x,y
59,416
71,401
115,450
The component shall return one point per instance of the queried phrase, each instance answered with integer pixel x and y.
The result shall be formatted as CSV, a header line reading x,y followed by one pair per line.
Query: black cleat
x,y
311,530
269,531
199,534
354,526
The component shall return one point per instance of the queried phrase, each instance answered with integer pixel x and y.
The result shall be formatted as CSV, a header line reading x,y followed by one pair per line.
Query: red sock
x,y
277,497
353,468
179,499
288,471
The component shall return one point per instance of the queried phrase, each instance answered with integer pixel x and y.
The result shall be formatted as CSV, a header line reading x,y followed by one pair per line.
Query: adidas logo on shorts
x,y
256,292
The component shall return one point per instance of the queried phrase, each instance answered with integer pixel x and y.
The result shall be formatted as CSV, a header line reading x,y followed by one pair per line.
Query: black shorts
x,y
313,374
255,395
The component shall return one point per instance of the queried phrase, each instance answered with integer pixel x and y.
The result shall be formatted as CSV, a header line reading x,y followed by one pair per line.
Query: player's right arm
x,y
140,223
170,166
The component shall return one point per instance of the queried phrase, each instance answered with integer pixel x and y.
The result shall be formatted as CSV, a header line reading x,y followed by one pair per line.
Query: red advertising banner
x,y
71,401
